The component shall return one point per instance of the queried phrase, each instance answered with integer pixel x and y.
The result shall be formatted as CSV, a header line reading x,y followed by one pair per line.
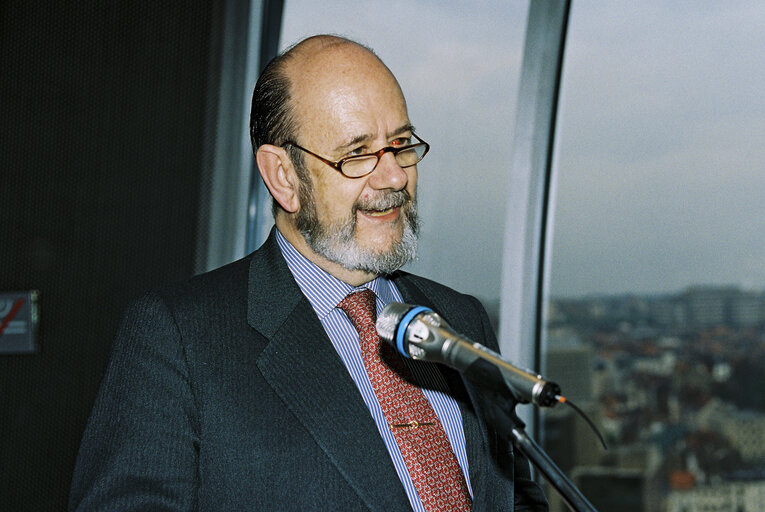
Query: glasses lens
x,y
410,156
356,167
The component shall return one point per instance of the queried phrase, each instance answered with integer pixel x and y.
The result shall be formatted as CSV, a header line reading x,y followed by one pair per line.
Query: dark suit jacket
x,y
224,393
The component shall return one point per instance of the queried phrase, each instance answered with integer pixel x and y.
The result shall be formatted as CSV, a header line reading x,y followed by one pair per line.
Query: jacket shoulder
x,y
214,283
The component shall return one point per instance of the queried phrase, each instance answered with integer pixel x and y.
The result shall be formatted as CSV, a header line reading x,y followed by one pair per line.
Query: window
x,y
655,314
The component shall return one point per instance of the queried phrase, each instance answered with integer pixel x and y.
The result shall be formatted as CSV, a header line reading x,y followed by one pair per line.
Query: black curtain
x,y
104,150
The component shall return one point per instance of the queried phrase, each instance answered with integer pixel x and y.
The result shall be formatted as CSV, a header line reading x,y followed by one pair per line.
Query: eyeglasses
x,y
358,166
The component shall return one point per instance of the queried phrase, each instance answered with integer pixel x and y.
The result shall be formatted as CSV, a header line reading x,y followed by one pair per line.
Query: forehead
x,y
344,92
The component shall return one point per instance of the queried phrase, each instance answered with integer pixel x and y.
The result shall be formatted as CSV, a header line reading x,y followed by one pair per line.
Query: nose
x,y
389,174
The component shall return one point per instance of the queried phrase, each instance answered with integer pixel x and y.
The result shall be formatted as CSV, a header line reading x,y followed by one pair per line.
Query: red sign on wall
x,y
18,322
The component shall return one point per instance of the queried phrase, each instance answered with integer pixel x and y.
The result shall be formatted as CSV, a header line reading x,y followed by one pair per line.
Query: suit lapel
x,y
303,368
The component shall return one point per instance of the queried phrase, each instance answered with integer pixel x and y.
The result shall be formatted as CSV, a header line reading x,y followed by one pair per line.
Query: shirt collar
x,y
323,290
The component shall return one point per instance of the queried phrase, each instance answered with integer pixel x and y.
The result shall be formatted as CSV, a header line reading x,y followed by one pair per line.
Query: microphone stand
x,y
498,404
565,488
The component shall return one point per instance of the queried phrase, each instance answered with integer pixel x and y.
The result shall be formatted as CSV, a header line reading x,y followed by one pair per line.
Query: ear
x,y
279,176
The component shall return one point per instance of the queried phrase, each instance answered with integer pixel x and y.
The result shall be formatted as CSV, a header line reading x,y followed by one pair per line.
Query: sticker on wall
x,y
18,322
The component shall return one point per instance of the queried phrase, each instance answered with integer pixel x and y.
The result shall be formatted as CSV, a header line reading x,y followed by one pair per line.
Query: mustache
x,y
384,201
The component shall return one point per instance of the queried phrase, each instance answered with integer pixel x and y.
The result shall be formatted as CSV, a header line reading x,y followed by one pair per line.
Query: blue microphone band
x,y
404,324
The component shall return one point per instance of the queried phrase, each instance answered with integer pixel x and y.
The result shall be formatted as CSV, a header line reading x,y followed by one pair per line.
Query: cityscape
x,y
675,384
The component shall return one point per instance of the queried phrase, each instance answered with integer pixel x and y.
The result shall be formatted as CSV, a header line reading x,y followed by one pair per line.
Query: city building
x,y
723,497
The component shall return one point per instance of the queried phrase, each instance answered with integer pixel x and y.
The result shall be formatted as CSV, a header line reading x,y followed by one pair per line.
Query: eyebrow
x,y
408,127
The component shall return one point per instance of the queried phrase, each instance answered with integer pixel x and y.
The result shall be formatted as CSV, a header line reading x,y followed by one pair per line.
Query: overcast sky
x,y
660,157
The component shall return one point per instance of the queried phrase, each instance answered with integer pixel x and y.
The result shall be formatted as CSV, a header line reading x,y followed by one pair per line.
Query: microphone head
x,y
393,322
389,318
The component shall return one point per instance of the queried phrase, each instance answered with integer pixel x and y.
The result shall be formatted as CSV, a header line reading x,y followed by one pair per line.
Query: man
x,y
254,387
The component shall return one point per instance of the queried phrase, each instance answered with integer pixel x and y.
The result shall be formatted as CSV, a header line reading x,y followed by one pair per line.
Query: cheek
x,y
335,200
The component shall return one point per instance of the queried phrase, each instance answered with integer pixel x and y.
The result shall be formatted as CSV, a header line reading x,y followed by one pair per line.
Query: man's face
x,y
367,223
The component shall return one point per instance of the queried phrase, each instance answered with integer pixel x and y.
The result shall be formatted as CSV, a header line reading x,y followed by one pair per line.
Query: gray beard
x,y
337,241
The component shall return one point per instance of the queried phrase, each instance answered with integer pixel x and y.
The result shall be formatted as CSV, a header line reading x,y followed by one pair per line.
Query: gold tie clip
x,y
412,424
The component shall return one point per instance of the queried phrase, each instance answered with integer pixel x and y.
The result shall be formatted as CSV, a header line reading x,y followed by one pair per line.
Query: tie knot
x,y
360,307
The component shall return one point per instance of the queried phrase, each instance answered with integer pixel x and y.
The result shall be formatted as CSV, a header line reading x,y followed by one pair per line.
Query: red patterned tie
x,y
420,436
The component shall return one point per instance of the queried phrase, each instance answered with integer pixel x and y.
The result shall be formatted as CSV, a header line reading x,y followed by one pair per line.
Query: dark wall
x,y
103,110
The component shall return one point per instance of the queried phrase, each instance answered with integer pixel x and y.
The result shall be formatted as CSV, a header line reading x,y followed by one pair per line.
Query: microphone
x,y
419,333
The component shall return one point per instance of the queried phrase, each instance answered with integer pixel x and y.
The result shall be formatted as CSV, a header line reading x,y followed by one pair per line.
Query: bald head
x,y
306,82
327,53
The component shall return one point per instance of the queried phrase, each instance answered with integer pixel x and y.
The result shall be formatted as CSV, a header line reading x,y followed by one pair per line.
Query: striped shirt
x,y
325,292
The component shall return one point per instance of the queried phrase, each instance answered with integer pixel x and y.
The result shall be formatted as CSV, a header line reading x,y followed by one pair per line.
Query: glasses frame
x,y
337,165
